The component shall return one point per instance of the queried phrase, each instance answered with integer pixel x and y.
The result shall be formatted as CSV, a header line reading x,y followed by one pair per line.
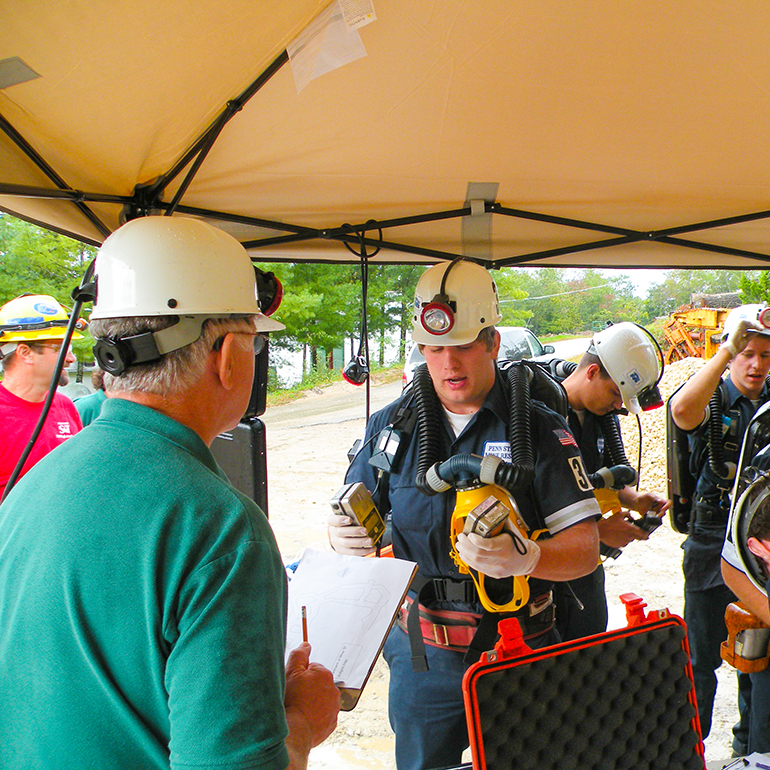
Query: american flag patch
x,y
565,437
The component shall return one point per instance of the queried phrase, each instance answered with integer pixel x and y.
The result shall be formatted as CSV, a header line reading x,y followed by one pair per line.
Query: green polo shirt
x,y
142,607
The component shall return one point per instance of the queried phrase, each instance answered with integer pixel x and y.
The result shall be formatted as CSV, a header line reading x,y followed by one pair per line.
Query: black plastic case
x,y
622,700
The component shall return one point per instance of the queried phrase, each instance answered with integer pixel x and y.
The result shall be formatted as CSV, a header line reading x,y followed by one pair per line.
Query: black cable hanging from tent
x,y
356,371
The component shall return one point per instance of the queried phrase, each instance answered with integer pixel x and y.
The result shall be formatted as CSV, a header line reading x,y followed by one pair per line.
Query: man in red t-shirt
x,y
32,330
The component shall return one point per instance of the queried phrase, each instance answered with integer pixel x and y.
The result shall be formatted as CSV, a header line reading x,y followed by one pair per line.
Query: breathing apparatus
x,y
479,482
483,506
746,647
608,481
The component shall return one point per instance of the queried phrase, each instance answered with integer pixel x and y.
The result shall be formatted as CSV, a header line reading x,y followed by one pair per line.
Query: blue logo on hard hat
x,y
45,308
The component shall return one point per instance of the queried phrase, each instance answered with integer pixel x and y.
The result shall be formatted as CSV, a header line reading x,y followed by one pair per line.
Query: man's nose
x,y
70,357
449,356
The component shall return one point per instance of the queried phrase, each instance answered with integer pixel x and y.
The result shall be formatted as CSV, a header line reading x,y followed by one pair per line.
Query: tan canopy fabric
x,y
598,133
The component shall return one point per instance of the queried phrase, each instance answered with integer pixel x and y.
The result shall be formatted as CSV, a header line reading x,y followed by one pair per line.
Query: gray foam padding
x,y
617,705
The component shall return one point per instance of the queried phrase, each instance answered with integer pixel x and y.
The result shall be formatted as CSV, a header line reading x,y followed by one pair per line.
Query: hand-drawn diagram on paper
x,y
350,603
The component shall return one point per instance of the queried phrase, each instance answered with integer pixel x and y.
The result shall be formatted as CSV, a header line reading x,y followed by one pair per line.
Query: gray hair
x,y
175,372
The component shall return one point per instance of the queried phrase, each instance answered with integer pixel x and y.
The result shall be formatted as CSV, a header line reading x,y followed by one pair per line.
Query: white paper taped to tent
x,y
357,13
327,43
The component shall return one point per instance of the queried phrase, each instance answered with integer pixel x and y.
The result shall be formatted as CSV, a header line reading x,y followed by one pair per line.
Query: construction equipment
x,y
695,330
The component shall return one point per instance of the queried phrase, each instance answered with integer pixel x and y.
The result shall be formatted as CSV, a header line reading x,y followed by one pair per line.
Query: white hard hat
x,y
759,314
175,266
453,302
632,359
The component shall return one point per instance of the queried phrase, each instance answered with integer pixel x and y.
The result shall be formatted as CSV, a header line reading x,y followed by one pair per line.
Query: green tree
x,y
755,287
679,285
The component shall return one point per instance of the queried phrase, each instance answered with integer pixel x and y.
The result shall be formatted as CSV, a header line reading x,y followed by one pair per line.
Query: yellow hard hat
x,y
32,318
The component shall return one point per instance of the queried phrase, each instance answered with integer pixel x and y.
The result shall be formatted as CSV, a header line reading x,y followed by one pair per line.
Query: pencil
x,y
304,623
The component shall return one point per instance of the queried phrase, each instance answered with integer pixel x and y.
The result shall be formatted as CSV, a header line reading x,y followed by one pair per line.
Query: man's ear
x,y
224,362
592,371
496,344
759,548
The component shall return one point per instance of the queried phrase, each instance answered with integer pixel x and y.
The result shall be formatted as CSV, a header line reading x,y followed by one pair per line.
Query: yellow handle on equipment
x,y
468,500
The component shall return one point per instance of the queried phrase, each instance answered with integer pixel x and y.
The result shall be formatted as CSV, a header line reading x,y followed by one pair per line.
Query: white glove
x,y
347,538
498,557
739,337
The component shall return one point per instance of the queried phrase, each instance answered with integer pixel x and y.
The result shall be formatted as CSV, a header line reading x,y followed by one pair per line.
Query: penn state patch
x,y
501,449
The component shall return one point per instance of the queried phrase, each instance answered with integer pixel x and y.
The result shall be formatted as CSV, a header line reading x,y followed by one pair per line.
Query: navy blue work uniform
x,y
572,622
705,594
426,708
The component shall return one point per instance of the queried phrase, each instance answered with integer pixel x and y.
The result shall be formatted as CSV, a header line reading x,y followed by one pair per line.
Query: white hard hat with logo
x,y
453,302
161,266
757,313
634,363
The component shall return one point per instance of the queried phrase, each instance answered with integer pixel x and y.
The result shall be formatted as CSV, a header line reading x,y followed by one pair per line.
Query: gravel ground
x,y
306,467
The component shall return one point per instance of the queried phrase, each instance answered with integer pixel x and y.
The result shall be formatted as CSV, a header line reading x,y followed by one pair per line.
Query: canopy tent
x,y
598,133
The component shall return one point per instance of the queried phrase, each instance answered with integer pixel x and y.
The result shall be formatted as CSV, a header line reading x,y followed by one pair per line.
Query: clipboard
x,y
351,604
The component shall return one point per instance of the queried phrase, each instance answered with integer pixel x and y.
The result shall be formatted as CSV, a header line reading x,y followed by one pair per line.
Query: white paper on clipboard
x,y
351,603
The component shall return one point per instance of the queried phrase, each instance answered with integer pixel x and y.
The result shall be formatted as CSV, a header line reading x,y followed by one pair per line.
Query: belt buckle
x,y
445,640
536,606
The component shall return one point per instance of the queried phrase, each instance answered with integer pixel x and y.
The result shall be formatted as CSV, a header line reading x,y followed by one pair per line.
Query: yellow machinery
x,y
694,330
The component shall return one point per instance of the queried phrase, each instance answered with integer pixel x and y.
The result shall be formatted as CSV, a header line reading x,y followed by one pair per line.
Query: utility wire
x,y
561,294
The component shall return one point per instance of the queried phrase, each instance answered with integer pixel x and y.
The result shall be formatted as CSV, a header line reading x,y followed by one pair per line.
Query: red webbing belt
x,y
455,630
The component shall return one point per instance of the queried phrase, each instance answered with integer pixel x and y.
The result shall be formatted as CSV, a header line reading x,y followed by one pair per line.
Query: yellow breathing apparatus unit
x,y
485,509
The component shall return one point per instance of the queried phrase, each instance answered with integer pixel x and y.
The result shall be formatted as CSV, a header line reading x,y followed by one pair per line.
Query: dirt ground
x,y
306,467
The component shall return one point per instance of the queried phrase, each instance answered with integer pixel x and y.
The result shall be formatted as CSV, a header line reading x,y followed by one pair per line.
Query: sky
x,y
641,279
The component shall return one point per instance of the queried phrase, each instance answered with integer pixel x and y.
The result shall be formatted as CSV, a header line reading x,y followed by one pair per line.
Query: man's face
x,y
462,375
44,356
602,395
750,367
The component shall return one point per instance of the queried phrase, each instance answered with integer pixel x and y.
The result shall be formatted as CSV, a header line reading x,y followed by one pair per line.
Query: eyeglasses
x,y
259,340
37,345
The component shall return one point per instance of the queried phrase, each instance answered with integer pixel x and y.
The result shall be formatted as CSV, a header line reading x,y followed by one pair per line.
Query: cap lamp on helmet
x,y
634,362
32,318
453,302
171,266
757,313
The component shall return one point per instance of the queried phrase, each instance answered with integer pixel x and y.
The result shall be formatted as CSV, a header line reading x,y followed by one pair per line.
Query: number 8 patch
x,y
579,471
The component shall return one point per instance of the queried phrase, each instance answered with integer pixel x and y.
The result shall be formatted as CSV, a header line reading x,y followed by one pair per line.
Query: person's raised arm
x,y
688,405
312,704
